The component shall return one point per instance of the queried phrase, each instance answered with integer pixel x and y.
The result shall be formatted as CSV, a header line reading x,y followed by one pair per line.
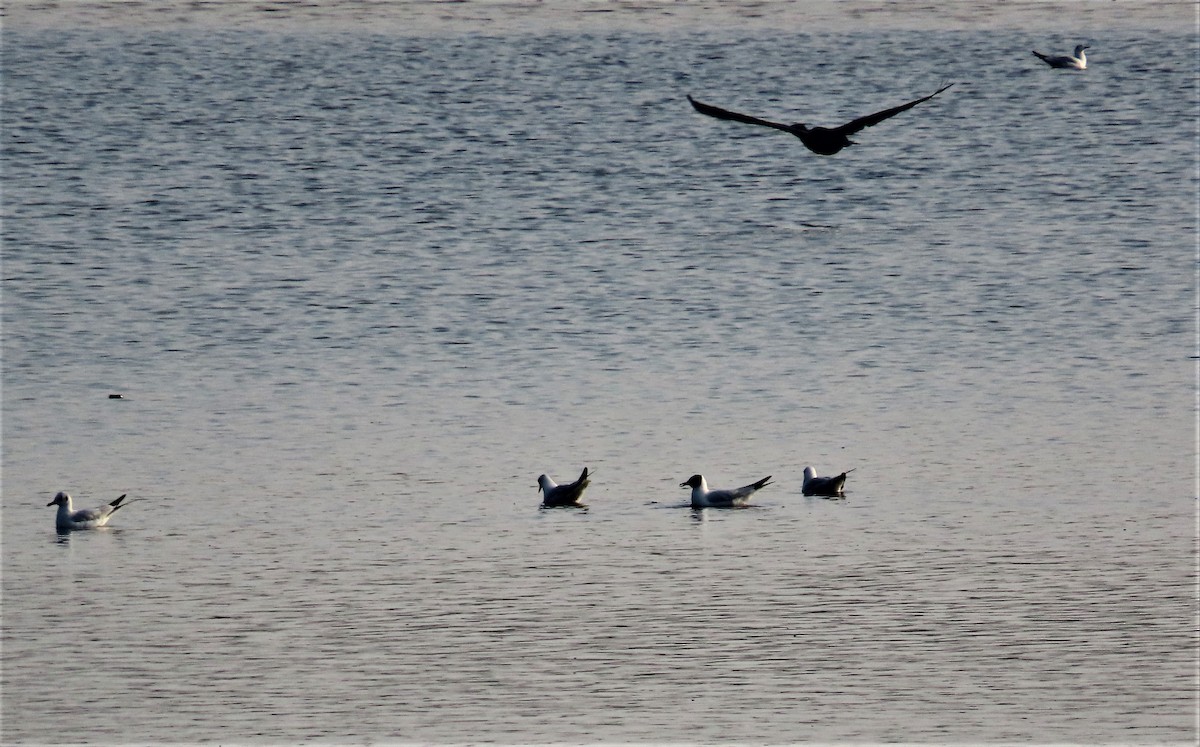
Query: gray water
x,y
360,287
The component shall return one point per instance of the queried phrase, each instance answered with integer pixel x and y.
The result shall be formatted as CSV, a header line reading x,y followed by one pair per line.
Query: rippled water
x,y
360,286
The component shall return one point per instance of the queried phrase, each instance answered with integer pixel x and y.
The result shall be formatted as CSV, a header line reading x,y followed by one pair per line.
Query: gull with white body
x,y
703,497
1078,61
69,520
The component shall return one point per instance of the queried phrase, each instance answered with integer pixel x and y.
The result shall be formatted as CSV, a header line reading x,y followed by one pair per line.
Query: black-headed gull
x,y
824,141
1077,62
555,495
829,487
85,518
702,497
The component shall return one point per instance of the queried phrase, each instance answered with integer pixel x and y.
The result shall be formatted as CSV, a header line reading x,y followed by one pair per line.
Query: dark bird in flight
x,y
1076,62
822,140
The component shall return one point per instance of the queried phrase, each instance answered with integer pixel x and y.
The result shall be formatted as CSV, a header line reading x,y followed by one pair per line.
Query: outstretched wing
x,y
719,113
873,119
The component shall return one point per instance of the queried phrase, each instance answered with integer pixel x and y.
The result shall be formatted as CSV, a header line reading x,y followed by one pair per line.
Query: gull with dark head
x,y
1076,62
703,497
69,520
555,495
823,141
828,487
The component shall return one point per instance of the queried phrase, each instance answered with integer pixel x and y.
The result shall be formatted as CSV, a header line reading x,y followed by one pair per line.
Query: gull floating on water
x,y
702,497
555,495
1077,62
829,487
85,518
821,140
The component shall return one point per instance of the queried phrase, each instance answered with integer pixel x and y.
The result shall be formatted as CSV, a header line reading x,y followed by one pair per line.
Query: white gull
x,y
85,518
702,497
1077,62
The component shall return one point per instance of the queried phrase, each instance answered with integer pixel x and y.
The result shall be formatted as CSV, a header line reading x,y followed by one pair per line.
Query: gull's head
x,y
545,483
694,481
1079,49
62,499
809,473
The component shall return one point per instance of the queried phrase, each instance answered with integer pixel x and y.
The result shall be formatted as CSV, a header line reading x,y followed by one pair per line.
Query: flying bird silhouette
x,y
824,141
1077,62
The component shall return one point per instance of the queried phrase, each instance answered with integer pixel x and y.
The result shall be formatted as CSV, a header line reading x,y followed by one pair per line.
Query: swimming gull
x,y
821,140
829,487
1077,62
555,495
702,497
85,518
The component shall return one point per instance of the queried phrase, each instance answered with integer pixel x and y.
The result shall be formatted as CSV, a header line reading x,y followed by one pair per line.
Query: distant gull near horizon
x,y
827,487
555,495
68,520
1077,62
702,497
823,141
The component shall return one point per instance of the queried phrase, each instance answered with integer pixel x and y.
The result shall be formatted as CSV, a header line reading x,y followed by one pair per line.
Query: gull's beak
x,y
683,485
53,502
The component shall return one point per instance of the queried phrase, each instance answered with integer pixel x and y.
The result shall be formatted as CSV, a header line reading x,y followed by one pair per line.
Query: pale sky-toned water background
x,y
362,271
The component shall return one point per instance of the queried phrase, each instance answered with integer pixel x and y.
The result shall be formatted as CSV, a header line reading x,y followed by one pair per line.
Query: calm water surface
x,y
360,287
